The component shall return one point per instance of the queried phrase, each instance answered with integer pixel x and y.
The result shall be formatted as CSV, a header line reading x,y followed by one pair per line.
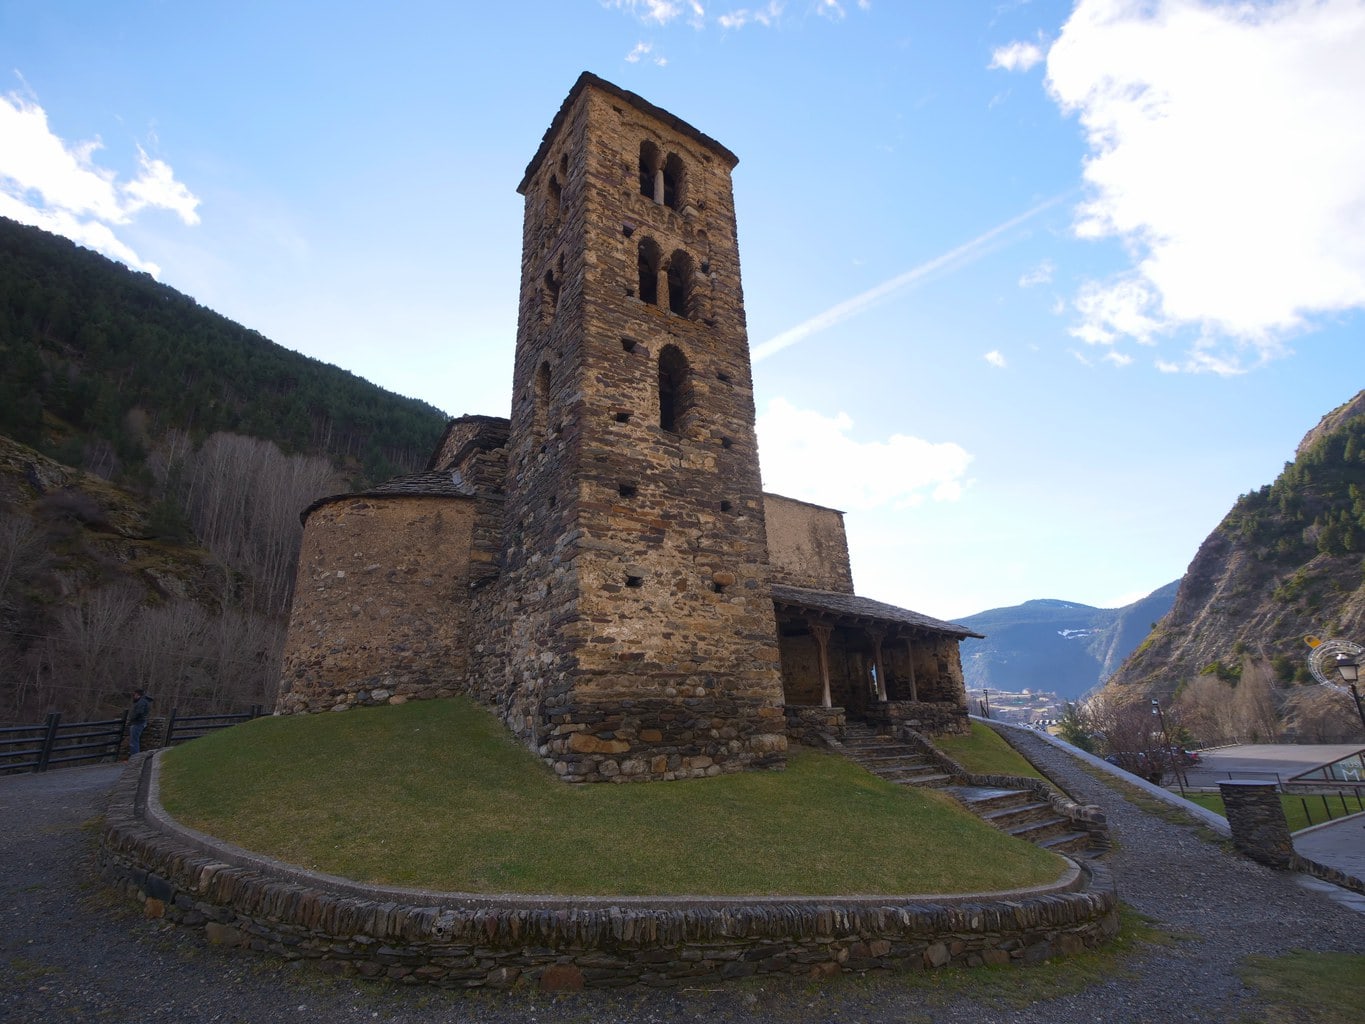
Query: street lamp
x,y
1176,766
1349,670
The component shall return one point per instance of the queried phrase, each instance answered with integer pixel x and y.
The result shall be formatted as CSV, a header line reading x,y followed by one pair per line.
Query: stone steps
x,y
1017,812
890,759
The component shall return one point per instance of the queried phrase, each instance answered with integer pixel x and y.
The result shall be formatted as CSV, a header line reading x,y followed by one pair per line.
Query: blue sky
x,y
1035,290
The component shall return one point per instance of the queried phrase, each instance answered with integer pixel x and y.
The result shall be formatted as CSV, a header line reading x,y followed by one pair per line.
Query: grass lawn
x,y
438,794
1313,988
1294,810
985,753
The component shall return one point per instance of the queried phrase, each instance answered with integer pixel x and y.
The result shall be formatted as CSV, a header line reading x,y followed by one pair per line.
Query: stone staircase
x,y
890,758
1018,812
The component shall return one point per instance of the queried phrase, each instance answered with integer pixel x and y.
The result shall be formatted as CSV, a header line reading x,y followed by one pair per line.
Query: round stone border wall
x,y
461,940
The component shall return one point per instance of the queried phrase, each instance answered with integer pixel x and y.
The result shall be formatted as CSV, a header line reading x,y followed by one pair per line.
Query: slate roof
x,y
442,483
850,606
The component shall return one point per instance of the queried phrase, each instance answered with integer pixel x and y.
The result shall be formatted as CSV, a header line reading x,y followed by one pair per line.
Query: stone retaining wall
x,y
814,725
937,717
460,940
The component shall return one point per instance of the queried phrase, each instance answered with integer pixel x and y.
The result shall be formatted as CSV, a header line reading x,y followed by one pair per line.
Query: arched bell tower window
x,y
680,282
649,257
554,278
650,167
552,197
675,183
675,389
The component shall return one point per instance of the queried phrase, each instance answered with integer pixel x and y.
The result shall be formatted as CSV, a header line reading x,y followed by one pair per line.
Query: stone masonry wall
x,y
807,545
463,940
634,594
380,604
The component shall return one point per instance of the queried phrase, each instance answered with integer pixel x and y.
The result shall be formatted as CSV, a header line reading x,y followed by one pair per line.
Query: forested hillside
x,y
1286,562
100,360
154,459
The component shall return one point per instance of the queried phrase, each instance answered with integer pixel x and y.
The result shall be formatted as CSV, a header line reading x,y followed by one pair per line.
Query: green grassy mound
x,y
985,753
437,794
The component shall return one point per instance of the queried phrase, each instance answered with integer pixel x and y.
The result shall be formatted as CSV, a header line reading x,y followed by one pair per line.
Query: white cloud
x,y
661,12
643,50
1016,56
156,186
1041,274
57,186
766,16
1226,144
810,456
995,358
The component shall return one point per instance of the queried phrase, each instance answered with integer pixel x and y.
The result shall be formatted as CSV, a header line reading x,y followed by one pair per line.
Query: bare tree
x,y
1256,702
23,551
1321,714
85,656
245,500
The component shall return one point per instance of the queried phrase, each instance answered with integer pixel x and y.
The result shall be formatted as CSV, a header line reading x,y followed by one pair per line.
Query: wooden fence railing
x,y
54,743
182,728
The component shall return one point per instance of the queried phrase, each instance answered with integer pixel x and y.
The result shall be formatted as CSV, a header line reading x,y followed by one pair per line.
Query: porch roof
x,y
863,611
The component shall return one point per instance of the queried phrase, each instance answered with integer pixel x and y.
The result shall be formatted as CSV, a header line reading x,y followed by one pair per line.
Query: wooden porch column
x,y
822,633
878,635
910,664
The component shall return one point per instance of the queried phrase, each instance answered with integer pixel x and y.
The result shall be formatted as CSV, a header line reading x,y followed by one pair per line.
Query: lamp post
x,y
1349,670
1167,748
986,698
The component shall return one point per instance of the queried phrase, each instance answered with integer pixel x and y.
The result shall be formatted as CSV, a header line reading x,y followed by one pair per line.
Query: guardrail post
x,y
49,740
170,728
122,731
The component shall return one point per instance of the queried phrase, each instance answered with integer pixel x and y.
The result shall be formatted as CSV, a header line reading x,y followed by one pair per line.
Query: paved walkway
x,y
72,951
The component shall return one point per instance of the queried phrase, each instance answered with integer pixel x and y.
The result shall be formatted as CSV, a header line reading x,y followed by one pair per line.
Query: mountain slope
x,y
1061,646
1284,563
97,355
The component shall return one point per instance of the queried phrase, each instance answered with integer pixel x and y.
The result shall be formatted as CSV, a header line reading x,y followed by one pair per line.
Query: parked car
x,y
1154,764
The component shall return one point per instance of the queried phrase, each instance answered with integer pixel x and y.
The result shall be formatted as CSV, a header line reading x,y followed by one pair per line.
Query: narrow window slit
x,y
726,506
626,490
635,581
725,442
623,417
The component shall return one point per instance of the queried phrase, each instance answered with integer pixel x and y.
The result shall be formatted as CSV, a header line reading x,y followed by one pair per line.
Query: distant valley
x,y
1058,646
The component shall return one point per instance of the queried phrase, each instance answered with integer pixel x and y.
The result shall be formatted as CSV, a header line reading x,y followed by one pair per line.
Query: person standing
x,y
141,706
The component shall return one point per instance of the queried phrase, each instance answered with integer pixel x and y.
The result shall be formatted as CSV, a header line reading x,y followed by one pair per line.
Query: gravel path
x,y
71,951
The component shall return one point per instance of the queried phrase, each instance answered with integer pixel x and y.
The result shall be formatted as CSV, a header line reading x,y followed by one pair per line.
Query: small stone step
x,y
936,779
1036,832
1070,842
983,799
1018,814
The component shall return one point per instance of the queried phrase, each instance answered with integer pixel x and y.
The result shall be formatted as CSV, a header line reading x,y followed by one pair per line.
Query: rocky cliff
x,y
1284,563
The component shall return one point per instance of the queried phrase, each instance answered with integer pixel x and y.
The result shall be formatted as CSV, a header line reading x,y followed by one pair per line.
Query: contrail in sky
x,y
965,253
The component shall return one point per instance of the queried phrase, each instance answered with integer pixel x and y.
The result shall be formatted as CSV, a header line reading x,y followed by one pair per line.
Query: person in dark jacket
x,y
142,704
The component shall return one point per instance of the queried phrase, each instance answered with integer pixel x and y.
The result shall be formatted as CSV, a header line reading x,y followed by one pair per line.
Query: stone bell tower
x,y
639,638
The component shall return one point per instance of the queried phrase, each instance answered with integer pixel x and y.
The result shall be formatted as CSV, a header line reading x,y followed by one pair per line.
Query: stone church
x,y
603,569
